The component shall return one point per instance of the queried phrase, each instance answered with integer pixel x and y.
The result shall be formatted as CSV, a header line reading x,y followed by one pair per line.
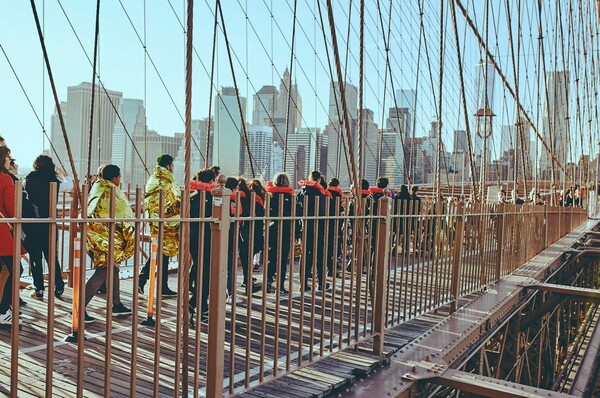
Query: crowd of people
x,y
321,237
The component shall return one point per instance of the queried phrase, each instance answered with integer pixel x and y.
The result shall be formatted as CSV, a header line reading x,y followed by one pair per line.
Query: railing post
x,y
73,212
545,226
218,289
500,238
457,261
382,257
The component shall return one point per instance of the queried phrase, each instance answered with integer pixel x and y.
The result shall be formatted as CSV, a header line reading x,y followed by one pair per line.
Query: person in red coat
x,y
7,208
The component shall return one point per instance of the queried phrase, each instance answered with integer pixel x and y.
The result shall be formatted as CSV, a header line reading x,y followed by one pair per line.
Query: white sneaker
x,y
6,318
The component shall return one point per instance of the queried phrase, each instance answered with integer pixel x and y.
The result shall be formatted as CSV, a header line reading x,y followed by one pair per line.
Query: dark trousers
x,y
275,256
98,279
6,263
204,264
37,245
334,235
311,250
244,249
145,272
231,262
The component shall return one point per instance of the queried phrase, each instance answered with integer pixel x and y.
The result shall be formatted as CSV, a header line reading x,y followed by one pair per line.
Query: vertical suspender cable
x,y
361,123
388,71
341,116
56,101
464,99
242,115
342,86
289,88
145,90
182,354
94,63
438,179
506,83
212,76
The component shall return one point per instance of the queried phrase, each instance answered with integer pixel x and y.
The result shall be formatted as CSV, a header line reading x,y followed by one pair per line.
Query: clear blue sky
x,y
121,59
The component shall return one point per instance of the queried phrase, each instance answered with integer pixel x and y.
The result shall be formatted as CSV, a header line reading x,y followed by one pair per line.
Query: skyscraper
x,y
555,124
131,122
399,120
295,106
228,131
485,75
264,106
460,141
198,155
407,99
260,139
76,112
154,145
301,154
391,163
506,140
370,147
335,130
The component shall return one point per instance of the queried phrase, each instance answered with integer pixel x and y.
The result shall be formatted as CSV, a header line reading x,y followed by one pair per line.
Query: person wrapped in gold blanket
x,y
162,178
98,236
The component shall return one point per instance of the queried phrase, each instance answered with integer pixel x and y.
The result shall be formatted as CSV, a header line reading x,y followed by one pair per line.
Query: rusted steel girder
x,y
454,337
580,293
490,387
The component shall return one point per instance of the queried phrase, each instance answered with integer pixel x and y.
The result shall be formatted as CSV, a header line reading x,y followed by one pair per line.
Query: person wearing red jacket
x,y
7,208
311,190
201,198
279,230
334,234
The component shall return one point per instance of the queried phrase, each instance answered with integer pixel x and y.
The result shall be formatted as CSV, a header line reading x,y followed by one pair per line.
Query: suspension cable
x,y
89,160
45,134
289,85
342,85
464,100
506,83
112,104
56,101
245,133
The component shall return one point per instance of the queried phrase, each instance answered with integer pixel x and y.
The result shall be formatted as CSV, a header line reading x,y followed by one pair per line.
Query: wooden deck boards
x,y
334,369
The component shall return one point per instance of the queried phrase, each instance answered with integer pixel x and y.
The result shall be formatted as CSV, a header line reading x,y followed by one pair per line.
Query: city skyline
x,y
159,83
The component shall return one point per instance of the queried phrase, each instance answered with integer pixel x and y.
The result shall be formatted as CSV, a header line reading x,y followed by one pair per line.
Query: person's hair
x,y
382,182
4,153
364,184
216,170
415,188
503,191
243,186
45,165
2,142
281,180
404,189
100,170
231,183
205,175
334,182
164,160
110,171
323,182
258,188
315,175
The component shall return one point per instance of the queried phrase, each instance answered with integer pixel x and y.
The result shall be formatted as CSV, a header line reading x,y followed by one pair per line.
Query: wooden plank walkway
x,y
332,314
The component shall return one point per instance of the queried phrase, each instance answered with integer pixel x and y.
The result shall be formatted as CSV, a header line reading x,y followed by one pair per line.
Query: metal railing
x,y
379,268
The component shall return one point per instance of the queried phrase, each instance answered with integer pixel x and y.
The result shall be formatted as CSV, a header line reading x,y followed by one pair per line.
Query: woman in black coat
x,y
37,186
279,230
